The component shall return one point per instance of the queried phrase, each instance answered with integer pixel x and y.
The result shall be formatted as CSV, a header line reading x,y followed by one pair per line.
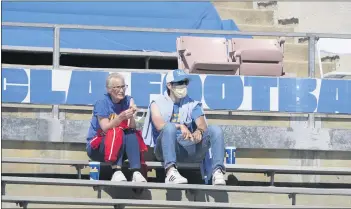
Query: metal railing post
x,y
56,49
311,70
55,111
311,55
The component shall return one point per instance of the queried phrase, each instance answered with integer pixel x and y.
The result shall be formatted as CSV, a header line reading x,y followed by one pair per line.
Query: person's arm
x,y
201,123
198,116
156,117
159,123
107,124
101,111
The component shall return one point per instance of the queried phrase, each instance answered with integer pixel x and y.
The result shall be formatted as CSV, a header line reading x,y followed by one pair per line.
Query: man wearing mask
x,y
176,126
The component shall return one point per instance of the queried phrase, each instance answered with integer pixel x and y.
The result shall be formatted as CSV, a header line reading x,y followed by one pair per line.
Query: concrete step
x,y
88,192
300,68
234,5
247,16
267,28
172,195
297,52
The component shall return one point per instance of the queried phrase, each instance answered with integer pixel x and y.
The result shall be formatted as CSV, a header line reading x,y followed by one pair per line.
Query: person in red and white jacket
x,y
113,133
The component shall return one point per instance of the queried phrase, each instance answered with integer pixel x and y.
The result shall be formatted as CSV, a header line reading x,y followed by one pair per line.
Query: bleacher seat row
x,y
23,201
120,203
266,169
99,185
236,56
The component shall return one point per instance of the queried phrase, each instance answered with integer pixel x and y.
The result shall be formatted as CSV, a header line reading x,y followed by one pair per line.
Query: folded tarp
x,y
181,15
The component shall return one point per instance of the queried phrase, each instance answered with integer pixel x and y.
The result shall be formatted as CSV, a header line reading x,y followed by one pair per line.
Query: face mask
x,y
180,91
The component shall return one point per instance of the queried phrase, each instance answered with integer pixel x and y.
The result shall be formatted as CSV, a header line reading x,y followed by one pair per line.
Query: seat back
x,y
258,57
259,50
193,49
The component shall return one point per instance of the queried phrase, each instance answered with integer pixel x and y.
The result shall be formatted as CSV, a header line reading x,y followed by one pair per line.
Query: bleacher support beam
x,y
79,170
293,198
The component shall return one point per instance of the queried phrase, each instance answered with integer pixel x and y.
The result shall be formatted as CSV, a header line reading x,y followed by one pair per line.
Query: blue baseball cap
x,y
176,76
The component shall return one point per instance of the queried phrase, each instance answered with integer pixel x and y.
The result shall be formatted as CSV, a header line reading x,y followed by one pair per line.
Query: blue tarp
x,y
181,15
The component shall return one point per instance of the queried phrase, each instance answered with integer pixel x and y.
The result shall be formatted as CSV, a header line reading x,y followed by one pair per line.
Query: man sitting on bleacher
x,y
176,125
112,115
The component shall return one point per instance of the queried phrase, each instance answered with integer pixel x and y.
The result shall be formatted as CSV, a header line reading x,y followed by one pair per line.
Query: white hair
x,y
113,75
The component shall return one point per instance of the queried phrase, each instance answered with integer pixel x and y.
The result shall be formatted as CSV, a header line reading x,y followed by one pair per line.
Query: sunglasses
x,y
179,83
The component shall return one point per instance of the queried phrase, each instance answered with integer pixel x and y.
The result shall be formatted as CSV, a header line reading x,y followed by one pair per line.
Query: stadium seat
x,y
205,55
258,57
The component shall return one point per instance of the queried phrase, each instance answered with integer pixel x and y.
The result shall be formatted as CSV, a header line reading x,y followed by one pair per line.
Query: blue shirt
x,y
175,114
196,113
105,108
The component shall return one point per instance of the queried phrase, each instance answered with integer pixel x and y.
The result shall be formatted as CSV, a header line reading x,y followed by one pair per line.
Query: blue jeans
x,y
130,146
172,149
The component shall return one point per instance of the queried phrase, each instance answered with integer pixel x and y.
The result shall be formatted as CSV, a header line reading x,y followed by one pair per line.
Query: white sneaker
x,y
218,178
174,177
138,177
118,176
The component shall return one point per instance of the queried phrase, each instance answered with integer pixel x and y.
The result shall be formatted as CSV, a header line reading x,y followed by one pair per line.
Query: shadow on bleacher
x,y
232,181
241,153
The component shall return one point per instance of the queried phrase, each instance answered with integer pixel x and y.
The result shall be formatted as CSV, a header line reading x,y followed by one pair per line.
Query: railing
x,y
312,39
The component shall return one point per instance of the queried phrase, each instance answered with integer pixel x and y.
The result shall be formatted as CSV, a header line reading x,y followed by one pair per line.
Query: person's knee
x,y
94,155
89,152
130,138
216,133
167,136
170,129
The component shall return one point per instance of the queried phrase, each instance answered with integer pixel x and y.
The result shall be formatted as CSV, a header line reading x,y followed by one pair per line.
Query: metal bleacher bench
x,y
266,169
98,185
125,202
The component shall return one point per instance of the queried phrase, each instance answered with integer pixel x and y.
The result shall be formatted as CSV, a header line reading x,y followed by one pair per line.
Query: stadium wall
x,y
34,131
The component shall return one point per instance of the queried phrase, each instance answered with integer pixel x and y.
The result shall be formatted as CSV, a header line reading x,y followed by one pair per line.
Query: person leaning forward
x,y
112,131
175,125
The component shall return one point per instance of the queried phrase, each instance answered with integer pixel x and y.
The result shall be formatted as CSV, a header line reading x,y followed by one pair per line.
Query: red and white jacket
x,y
114,141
